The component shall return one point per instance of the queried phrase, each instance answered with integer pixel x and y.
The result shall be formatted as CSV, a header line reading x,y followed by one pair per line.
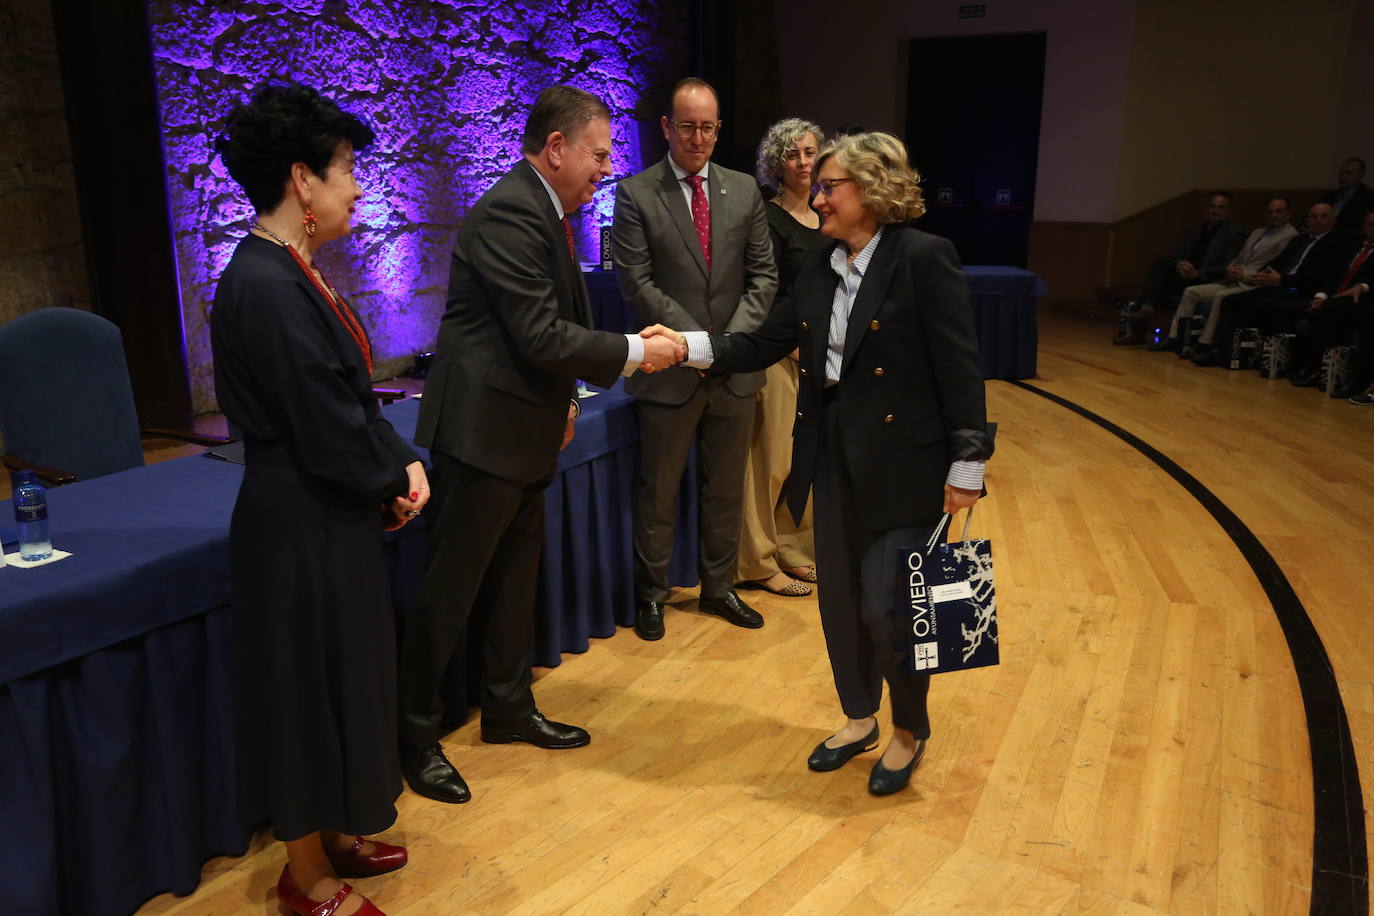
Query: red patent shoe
x,y
291,900
354,863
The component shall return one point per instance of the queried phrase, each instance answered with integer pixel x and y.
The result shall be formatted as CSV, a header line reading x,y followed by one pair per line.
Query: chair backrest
x,y
65,397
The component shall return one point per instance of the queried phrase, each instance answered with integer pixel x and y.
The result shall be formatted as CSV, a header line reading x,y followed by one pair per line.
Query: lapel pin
x,y
722,190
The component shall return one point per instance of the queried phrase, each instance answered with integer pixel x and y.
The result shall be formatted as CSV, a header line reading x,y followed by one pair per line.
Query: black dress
x,y
314,638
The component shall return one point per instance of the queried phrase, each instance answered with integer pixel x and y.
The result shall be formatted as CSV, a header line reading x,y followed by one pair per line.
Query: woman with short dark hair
x,y
313,628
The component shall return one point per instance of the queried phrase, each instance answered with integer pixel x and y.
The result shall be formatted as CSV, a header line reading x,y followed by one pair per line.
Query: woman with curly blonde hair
x,y
776,553
890,431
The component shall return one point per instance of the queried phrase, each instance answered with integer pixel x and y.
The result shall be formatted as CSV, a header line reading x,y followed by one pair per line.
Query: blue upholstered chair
x,y
66,405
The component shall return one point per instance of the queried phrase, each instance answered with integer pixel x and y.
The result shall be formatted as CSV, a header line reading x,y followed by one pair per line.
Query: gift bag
x,y
1245,348
1338,369
1276,354
947,603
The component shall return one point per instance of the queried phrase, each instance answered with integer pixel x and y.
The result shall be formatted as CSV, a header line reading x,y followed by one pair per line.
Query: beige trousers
x,y
1203,292
769,539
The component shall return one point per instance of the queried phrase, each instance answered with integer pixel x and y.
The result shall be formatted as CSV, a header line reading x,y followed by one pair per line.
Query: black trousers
x,y
723,424
1162,281
1328,327
483,564
857,591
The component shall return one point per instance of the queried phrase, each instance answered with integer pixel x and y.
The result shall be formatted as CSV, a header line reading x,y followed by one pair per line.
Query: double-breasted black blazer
x,y
515,337
910,391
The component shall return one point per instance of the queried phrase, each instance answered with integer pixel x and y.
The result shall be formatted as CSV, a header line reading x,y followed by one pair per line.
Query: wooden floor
x,y
1142,748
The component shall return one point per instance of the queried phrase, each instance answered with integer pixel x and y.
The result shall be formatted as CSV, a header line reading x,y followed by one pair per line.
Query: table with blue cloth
x,y
116,726
1004,310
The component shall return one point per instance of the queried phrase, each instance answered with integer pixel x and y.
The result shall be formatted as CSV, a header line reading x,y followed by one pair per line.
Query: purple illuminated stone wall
x,y
444,83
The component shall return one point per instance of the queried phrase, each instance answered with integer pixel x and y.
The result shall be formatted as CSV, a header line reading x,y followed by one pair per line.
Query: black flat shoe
x,y
1159,346
824,759
733,609
649,620
883,781
431,775
536,730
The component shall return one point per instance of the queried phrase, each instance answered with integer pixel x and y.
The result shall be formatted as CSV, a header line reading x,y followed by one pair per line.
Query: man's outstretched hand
x,y
663,348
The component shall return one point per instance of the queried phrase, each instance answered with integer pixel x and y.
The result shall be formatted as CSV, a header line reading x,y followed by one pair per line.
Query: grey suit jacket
x,y
663,273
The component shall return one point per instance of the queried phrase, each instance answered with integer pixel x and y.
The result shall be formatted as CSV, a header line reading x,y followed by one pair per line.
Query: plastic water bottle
x,y
31,515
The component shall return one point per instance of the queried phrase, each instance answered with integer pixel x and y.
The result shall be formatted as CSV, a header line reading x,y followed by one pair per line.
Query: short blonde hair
x,y
772,152
877,162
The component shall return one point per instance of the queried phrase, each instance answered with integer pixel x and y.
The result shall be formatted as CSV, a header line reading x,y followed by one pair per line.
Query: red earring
x,y
311,224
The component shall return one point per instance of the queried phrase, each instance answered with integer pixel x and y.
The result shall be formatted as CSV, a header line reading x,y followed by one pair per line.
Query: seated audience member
x,y
1201,255
1352,198
1293,278
1332,315
1263,245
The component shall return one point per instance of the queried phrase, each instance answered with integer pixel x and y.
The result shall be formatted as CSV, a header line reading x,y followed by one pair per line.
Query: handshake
x,y
663,348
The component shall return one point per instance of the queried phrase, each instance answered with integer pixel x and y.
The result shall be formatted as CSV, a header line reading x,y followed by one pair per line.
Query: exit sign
x,y
973,10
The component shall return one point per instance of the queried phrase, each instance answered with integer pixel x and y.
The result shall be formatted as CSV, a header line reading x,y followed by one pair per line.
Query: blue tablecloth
x,y
1004,310
116,740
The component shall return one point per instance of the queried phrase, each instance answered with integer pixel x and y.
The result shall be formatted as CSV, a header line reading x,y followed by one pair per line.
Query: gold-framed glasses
x,y
685,129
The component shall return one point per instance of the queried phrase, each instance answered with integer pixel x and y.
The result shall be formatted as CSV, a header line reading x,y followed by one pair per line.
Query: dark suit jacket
x,y
1339,265
514,337
911,390
1221,250
1307,279
663,273
1351,218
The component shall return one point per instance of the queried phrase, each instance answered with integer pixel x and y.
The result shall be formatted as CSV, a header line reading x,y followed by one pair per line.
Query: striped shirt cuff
x,y
966,475
699,352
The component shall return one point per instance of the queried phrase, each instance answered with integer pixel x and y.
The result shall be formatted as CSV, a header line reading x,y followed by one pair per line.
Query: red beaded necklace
x,y
331,295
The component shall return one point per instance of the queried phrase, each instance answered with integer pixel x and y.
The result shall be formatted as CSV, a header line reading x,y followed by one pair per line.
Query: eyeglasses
x,y
826,186
685,129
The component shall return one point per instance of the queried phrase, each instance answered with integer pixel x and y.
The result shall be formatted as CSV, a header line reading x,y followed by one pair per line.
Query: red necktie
x,y
567,232
1355,265
701,215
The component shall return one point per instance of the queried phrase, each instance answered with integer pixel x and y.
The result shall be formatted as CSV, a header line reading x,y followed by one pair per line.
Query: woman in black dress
x,y
314,652
776,552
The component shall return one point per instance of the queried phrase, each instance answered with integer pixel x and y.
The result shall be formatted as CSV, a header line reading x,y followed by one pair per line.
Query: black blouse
x,y
791,242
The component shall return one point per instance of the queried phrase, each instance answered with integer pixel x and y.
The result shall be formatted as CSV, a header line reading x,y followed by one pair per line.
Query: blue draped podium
x,y
116,739
1004,310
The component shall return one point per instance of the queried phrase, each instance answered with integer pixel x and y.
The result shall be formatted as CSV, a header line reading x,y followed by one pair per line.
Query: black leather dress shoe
x,y
431,775
824,759
536,730
649,620
1206,356
883,781
1305,379
732,609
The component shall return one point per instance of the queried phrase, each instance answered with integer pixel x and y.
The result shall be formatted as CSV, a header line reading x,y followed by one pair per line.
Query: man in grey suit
x,y
499,404
692,251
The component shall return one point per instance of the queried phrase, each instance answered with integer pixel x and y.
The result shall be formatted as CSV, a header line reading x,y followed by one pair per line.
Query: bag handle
x,y
942,526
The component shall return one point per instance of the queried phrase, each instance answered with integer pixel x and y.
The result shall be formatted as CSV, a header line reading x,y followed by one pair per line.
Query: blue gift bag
x,y
947,603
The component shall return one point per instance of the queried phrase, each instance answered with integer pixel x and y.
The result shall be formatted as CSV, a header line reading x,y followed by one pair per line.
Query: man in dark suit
x,y
1200,256
499,404
1342,305
692,251
1294,276
1351,199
